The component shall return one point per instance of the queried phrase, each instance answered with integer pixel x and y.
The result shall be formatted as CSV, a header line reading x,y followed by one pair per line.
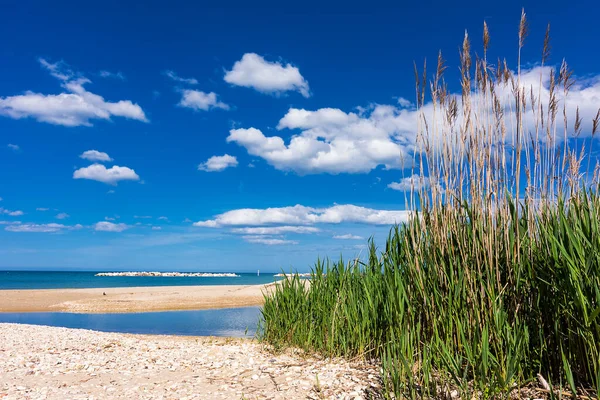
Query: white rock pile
x,y
301,275
38,362
171,274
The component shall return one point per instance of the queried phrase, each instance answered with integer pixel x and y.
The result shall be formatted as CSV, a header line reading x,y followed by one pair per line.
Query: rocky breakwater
x,y
171,274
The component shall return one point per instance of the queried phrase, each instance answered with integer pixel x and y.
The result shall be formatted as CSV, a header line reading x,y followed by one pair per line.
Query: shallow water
x,y
63,280
231,322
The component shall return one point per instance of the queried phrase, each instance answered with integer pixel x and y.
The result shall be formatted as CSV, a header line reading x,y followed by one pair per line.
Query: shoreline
x,y
132,299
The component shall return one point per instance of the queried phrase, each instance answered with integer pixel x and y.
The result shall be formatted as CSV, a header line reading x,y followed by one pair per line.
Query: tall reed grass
x,y
494,283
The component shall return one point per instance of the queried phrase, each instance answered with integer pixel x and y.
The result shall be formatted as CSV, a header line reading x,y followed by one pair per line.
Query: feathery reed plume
x,y
494,281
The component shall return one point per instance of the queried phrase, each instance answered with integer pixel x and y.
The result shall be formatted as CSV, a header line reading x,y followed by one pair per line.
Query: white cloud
x,y
156,228
404,102
218,163
100,173
414,182
10,222
334,142
75,107
42,228
268,77
276,230
17,213
113,75
301,215
106,226
62,216
176,78
267,241
41,209
60,70
95,155
198,100
348,237
142,216
163,218
329,140
13,147
109,218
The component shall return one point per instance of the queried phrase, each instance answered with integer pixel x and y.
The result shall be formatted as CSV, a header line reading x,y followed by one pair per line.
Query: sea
x,y
229,322
79,280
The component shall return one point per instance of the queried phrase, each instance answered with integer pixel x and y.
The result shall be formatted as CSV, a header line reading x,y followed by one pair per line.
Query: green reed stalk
x,y
496,278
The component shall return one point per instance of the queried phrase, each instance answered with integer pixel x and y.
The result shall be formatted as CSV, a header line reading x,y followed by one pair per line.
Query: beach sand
x,y
39,362
132,299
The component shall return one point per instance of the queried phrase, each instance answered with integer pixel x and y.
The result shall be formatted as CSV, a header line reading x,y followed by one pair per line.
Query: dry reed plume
x,y
493,288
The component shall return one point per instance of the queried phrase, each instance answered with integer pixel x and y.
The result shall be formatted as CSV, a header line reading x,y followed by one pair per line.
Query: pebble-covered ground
x,y
39,362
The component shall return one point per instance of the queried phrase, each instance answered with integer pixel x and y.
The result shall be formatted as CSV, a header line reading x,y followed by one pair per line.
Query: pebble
x,y
40,362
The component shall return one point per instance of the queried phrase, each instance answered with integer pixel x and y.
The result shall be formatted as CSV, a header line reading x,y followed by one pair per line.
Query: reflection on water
x,y
234,322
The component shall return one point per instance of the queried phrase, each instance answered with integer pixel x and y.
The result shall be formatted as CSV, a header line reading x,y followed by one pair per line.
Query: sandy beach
x,y
132,299
39,362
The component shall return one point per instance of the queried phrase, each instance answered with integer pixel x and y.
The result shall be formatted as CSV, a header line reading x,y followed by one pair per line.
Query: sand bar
x,y
39,362
132,299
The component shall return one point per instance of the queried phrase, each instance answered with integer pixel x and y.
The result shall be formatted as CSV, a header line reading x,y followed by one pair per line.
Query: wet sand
x,y
132,299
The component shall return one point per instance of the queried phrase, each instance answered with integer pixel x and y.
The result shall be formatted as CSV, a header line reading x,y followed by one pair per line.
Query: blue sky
x,y
180,136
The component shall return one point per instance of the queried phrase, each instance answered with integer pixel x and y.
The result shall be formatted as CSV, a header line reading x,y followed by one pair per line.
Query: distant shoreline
x,y
24,280
132,299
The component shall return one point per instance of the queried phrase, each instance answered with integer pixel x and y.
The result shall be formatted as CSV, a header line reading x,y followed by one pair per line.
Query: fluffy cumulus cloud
x,y
201,101
112,175
268,240
105,226
41,228
255,72
62,215
95,155
276,230
75,106
218,163
413,182
174,77
348,237
301,215
330,140
333,141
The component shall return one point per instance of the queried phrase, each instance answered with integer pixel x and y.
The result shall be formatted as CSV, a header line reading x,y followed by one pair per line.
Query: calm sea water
x,y
235,322
62,280
232,322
